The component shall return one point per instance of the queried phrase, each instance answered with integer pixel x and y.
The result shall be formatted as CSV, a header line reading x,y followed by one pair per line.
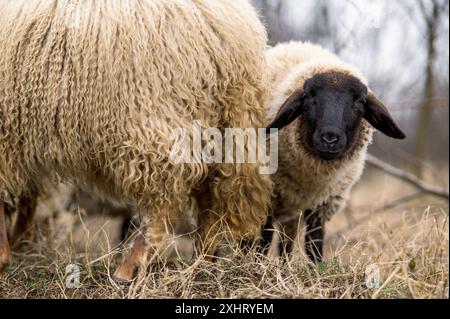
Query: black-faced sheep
x,y
326,115
92,90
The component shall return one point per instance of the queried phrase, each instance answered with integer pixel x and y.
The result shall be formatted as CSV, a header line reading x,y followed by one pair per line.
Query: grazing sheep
x,y
92,90
326,115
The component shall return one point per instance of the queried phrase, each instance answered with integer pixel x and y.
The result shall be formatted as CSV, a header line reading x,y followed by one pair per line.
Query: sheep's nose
x,y
330,138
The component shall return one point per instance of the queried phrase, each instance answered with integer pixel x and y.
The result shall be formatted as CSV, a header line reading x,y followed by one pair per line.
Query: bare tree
x,y
432,16
272,14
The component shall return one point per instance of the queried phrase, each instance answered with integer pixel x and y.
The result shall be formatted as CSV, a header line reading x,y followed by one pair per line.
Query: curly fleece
x,y
92,90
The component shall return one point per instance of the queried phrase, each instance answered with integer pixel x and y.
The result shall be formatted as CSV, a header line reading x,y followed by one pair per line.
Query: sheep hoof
x,y
124,274
122,279
131,261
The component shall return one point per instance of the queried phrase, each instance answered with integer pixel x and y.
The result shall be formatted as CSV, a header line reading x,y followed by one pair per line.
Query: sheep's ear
x,y
378,116
289,111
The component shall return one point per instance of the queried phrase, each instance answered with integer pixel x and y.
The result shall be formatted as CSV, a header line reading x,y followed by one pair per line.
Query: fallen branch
x,y
366,217
407,177
398,202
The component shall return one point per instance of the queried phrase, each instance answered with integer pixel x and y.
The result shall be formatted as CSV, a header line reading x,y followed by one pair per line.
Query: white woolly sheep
x,y
91,91
325,114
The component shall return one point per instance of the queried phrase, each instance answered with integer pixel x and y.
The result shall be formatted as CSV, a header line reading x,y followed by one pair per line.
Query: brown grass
x,y
409,244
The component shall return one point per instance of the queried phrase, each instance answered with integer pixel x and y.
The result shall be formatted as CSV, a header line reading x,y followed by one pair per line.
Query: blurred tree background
x,y
402,48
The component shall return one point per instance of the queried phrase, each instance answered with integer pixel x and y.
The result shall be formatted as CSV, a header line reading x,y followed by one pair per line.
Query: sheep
x,y
326,116
90,91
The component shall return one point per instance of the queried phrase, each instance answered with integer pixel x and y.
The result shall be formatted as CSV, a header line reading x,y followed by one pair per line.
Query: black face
x,y
332,106
332,110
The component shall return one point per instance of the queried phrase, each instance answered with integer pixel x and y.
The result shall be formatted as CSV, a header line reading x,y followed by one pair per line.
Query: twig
x,y
398,202
385,207
407,177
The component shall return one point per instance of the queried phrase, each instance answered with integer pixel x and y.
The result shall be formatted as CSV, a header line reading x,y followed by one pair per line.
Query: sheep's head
x,y
331,106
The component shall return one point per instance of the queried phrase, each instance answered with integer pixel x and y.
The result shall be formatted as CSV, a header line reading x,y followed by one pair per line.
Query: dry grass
x,y
409,244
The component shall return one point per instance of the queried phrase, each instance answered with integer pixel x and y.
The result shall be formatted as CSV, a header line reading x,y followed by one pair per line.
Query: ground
x,y
408,245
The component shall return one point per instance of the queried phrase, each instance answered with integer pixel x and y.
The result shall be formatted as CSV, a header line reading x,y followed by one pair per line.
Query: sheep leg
x,y
266,236
150,244
25,215
315,233
288,235
239,207
207,222
208,234
210,226
4,244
